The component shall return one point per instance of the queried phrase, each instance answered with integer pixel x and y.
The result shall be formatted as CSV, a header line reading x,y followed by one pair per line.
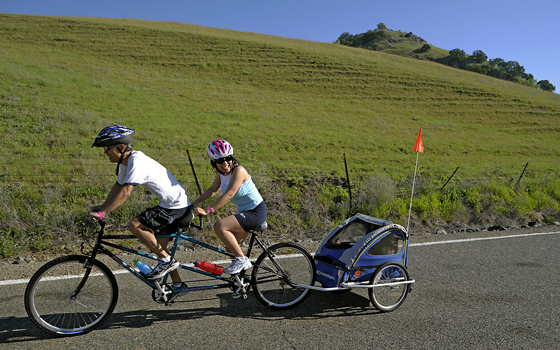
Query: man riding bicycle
x,y
139,169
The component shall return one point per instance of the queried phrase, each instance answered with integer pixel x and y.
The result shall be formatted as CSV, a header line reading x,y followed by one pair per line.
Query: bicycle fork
x,y
88,265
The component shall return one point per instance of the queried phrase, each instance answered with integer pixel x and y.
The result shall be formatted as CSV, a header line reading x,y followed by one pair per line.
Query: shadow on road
x,y
318,305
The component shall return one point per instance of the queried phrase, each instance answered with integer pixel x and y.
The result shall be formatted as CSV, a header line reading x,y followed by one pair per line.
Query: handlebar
x,y
200,226
95,221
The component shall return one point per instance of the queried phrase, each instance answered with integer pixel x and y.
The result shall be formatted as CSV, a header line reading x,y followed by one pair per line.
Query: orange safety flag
x,y
418,146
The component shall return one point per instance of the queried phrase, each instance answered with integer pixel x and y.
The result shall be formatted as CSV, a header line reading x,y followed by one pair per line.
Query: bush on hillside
x,y
425,48
546,86
477,68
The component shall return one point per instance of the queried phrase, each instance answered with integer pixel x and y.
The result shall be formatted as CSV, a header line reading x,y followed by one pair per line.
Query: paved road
x,y
486,294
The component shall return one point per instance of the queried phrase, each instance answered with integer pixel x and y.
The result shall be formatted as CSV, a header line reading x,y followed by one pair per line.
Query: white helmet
x,y
219,149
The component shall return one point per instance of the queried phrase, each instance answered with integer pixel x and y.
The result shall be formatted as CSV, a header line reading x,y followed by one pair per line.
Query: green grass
x,y
291,108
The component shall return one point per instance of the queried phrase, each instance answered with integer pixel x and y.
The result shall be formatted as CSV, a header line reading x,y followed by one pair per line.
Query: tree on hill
x,y
382,26
372,35
425,48
528,80
479,57
509,70
495,68
345,39
546,86
368,36
379,35
457,57
478,68
514,70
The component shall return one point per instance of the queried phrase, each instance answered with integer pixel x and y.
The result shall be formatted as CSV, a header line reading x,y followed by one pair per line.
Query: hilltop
x,y
395,42
410,45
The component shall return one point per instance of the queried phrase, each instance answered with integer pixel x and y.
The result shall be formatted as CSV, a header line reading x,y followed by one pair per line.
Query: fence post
x,y
348,181
520,176
445,184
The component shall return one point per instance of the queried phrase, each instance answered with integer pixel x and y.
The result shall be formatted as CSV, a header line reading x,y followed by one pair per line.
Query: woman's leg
x,y
230,232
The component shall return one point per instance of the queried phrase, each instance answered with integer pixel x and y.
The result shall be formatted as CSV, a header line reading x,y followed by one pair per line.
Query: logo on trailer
x,y
326,275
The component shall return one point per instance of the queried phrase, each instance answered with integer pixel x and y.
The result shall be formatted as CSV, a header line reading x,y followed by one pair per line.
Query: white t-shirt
x,y
143,170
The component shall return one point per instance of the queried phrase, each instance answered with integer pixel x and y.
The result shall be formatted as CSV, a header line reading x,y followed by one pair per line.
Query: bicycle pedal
x,y
239,295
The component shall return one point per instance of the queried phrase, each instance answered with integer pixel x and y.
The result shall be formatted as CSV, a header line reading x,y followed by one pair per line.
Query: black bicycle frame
x,y
102,244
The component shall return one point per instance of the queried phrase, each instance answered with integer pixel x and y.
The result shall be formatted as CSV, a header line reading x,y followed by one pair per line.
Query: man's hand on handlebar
x,y
199,211
94,217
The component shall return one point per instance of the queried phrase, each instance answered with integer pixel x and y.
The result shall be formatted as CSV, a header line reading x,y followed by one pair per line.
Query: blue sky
x,y
515,30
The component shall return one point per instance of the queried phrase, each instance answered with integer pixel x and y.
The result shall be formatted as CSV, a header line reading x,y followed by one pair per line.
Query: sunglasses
x,y
108,148
222,160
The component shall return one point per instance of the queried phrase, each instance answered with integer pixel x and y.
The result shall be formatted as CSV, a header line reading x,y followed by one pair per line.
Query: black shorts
x,y
160,219
253,218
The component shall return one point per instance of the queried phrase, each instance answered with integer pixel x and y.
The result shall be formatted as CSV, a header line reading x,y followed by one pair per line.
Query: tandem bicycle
x,y
75,294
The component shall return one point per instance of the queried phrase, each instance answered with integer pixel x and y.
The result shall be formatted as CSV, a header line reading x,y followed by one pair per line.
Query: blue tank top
x,y
247,197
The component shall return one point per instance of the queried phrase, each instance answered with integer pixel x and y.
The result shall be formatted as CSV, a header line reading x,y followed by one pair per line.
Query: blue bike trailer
x,y
356,247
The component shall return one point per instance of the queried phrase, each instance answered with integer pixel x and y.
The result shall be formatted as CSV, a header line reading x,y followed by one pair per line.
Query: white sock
x,y
166,260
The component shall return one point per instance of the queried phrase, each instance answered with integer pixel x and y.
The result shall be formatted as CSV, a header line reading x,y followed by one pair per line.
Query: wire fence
x,y
100,170
49,172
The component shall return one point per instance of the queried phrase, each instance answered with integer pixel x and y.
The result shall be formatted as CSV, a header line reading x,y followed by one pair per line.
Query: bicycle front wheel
x,y
385,296
65,298
275,276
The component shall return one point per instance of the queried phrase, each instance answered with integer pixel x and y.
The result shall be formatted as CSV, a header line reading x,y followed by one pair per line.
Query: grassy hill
x,y
291,108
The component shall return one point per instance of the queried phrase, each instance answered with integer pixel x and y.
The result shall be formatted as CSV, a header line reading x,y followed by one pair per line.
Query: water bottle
x,y
209,267
143,267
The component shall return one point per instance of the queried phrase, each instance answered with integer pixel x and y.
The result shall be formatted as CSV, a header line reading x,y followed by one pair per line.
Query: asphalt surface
x,y
482,294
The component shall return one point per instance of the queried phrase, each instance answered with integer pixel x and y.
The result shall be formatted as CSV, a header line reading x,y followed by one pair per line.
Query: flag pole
x,y
418,147
412,194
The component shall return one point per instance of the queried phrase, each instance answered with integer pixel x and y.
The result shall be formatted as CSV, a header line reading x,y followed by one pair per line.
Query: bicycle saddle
x,y
185,220
261,228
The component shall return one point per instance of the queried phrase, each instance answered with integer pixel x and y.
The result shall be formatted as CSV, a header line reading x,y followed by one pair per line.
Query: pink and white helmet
x,y
219,149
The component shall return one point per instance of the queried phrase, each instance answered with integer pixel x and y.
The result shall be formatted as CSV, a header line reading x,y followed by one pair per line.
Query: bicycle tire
x,y
49,302
272,285
389,298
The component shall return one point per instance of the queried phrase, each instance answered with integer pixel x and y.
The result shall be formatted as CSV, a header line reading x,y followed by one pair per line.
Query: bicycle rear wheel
x,y
389,298
64,298
273,280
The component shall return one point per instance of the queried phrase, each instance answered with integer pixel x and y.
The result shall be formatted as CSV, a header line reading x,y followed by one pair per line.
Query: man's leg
x,y
175,273
148,238
166,264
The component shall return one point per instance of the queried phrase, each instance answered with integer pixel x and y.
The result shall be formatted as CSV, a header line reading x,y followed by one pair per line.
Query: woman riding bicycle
x,y
236,184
